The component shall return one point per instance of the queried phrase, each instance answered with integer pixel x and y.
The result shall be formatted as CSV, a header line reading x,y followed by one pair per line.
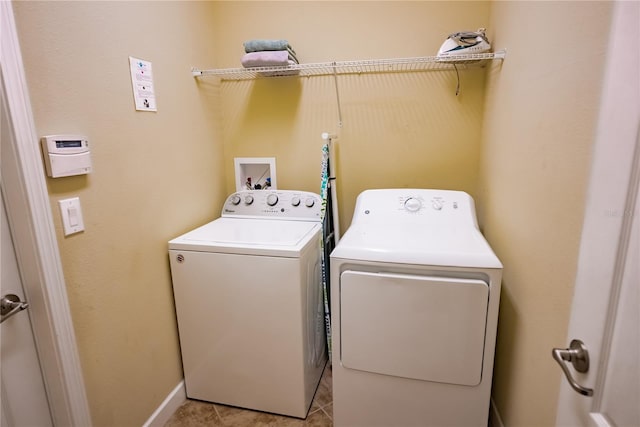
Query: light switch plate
x,y
71,213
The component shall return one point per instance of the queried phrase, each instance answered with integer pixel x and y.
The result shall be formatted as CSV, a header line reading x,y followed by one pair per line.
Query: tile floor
x,y
195,413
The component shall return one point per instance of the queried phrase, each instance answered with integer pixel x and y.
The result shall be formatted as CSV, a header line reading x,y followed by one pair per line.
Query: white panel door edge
x,y
24,399
607,265
35,242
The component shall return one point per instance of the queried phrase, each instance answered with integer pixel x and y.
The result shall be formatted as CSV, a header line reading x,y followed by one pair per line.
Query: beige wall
x,y
539,127
155,176
399,130
160,174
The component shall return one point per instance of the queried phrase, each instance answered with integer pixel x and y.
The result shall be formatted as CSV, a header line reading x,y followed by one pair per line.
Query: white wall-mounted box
x,y
66,155
255,173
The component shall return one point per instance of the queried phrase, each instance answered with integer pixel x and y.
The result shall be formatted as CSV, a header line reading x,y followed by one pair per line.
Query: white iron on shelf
x,y
464,43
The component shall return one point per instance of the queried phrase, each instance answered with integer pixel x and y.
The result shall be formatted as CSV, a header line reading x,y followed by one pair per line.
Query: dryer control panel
x,y
419,206
273,204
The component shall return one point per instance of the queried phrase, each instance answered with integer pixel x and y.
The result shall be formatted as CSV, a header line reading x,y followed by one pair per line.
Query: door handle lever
x,y
10,304
578,355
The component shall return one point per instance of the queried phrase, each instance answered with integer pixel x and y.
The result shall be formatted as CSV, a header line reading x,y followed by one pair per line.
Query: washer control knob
x,y
272,199
295,201
412,204
437,204
248,199
309,202
235,199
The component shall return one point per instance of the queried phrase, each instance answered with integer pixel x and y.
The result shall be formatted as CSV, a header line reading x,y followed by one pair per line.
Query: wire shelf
x,y
424,63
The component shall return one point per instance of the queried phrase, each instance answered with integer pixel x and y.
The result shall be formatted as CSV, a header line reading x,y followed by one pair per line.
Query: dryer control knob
x,y
248,199
272,199
309,202
412,205
295,201
235,199
437,204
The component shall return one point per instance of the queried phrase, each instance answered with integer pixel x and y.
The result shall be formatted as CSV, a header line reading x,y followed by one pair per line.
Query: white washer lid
x,y
410,244
249,236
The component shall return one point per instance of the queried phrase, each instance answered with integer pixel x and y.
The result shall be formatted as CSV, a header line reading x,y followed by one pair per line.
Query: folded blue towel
x,y
265,44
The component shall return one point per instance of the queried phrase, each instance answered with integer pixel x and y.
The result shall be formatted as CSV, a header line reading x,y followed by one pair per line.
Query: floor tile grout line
x,y
215,408
326,413
314,411
323,406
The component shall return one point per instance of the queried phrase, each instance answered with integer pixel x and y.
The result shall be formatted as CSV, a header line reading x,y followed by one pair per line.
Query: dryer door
x,y
419,327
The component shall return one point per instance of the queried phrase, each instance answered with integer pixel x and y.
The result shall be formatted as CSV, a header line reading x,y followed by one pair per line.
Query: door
x,y
23,396
607,296
33,235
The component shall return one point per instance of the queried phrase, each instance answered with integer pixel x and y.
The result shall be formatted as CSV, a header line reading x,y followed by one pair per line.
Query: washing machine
x,y
414,302
249,304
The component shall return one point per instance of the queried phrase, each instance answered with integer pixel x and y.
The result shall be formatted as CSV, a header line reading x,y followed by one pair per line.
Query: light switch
x,y
71,213
73,217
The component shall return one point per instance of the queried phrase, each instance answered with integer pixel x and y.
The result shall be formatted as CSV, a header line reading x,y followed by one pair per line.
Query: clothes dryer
x,y
249,303
415,289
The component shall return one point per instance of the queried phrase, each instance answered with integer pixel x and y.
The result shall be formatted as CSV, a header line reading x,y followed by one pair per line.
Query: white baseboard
x,y
166,409
494,416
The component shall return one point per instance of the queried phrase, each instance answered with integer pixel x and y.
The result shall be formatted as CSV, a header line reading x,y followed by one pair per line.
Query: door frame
x,y
607,221
34,237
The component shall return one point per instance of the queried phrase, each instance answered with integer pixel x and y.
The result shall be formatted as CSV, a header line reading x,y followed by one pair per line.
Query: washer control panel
x,y
285,204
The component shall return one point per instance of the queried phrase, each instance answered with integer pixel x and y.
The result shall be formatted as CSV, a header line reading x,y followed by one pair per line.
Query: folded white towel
x,y
265,59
